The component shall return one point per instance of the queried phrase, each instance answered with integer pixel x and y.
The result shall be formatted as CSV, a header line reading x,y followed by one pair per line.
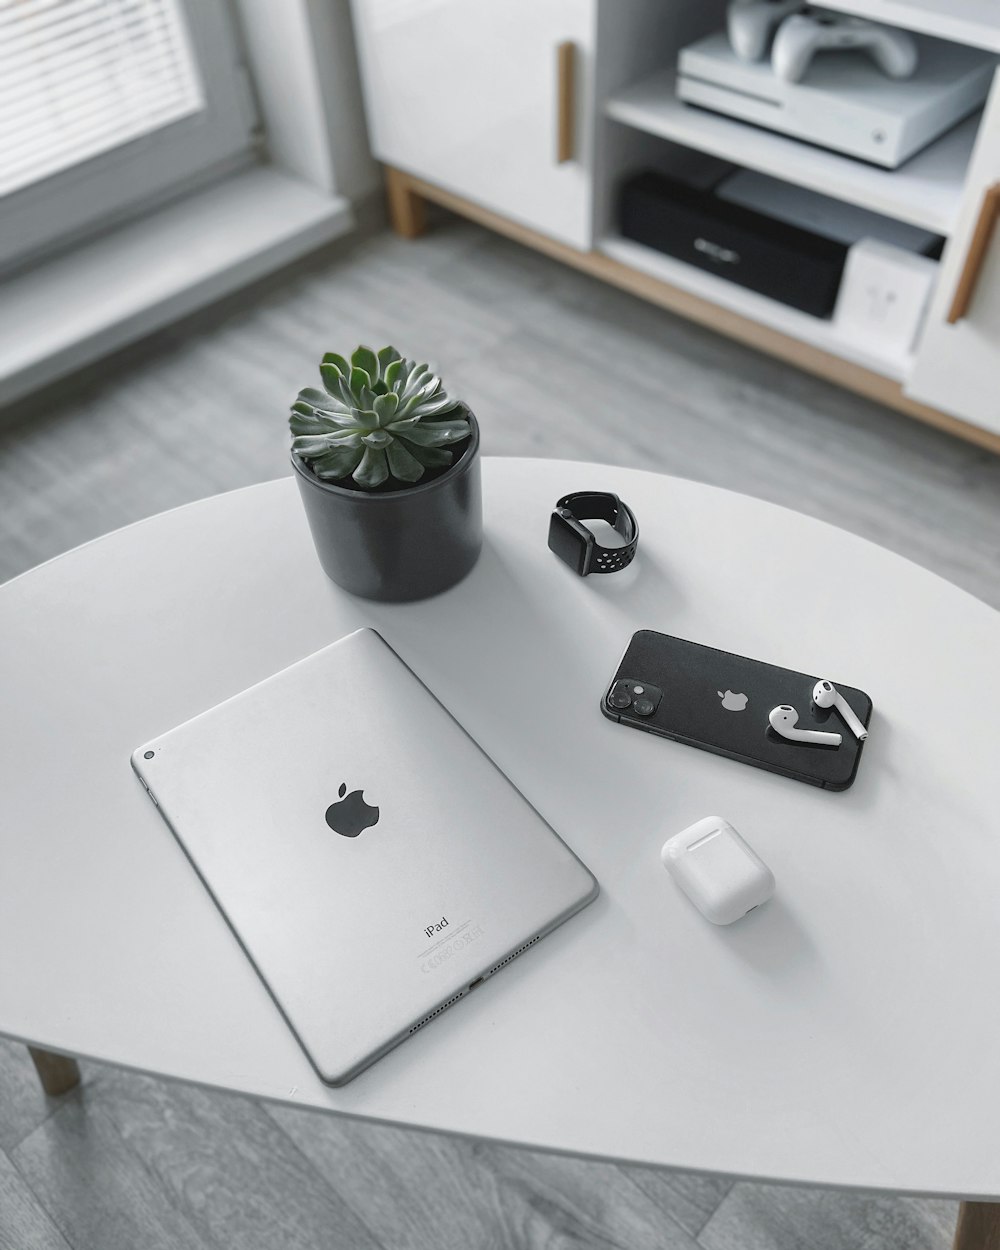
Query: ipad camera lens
x,y
643,707
619,697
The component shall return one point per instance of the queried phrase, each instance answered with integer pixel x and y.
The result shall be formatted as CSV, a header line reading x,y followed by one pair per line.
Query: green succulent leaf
x,y
333,380
320,399
347,394
361,387
425,401
425,394
329,420
309,423
435,406
373,469
377,438
385,407
408,407
331,358
432,457
365,358
403,465
456,429
420,380
386,357
434,434
413,380
309,445
395,375
337,463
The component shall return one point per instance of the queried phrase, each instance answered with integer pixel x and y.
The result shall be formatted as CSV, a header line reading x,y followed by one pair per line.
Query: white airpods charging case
x,y
719,872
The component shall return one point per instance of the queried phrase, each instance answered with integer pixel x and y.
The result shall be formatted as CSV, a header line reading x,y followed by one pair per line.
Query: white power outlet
x,y
884,295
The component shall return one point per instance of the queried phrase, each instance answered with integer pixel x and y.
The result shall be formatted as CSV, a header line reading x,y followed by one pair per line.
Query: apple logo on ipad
x,y
733,702
352,815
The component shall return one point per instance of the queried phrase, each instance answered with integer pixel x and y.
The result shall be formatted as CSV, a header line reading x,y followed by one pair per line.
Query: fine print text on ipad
x,y
372,860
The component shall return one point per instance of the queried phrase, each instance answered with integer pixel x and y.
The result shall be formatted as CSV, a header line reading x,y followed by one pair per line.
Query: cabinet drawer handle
x,y
989,211
565,92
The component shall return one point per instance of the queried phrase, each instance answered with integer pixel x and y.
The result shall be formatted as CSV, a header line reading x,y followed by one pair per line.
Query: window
x,y
109,106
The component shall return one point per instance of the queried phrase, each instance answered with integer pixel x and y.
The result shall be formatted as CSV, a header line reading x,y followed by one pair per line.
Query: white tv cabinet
x,y
525,114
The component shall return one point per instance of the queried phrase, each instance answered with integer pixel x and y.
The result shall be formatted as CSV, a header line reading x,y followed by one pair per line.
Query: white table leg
x,y
56,1072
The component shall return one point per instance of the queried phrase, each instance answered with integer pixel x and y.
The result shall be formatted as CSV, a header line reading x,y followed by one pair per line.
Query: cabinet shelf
x,y
815,331
926,191
962,21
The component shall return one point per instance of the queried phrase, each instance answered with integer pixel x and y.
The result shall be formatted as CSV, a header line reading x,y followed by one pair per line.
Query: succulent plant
x,y
378,418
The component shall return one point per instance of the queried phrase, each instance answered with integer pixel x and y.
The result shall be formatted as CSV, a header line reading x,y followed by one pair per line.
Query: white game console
x,y
844,102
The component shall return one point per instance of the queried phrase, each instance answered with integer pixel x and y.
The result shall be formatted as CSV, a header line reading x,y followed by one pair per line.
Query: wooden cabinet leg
x,y
406,207
978,1226
56,1072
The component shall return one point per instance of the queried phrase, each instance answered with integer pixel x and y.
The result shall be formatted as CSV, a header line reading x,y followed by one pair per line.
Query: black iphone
x,y
721,702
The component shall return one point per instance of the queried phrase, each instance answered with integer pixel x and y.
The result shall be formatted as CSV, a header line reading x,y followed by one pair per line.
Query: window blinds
x,y
81,77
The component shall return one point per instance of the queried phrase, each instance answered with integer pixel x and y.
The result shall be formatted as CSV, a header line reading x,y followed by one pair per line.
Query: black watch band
x,y
576,545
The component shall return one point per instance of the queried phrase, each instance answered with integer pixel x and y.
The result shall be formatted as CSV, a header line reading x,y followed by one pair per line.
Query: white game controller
x,y
803,34
752,23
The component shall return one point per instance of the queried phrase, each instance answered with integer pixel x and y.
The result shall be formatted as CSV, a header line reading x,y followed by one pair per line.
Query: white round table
x,y
847,1033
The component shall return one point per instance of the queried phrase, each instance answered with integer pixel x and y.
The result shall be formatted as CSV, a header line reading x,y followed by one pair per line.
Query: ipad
x,y
374,863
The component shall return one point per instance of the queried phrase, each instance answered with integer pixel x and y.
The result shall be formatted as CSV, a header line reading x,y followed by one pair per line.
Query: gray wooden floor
x,y
555,364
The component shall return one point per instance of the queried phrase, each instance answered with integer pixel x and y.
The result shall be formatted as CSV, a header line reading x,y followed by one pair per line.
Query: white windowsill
x,y
72,310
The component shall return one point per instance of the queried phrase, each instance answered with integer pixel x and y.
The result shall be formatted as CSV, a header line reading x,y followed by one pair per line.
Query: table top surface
x,y
845,1033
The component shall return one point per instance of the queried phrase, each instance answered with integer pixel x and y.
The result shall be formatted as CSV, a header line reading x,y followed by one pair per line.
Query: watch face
x,y
568,545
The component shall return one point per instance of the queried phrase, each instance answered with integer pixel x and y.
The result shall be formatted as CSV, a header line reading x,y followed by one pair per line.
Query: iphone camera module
x,y
639,697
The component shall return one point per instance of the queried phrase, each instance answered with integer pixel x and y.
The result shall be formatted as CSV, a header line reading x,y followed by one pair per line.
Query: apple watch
x,y
576,545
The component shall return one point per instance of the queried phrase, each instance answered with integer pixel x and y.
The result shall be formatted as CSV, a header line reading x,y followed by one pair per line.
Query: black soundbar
x,y
783,261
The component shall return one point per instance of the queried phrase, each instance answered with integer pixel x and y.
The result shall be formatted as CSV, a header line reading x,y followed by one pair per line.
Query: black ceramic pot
x,y
403,544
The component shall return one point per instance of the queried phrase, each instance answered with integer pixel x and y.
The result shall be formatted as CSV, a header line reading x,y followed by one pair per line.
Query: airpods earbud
x,y
826,695
783,720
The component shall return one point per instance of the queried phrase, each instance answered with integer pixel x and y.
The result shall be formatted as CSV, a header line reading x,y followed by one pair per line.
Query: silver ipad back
x,y
372,860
